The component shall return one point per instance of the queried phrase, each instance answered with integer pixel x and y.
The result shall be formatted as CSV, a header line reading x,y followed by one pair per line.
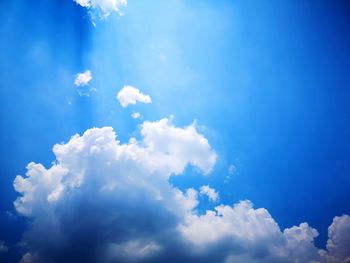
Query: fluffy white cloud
x,y
130,95
3,247
240,222
164,150
117,194
252,235
136,115
210,192
338,244
106,201
103,7
82,79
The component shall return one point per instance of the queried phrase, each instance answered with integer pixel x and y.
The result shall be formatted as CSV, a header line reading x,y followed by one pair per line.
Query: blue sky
x,y
266,83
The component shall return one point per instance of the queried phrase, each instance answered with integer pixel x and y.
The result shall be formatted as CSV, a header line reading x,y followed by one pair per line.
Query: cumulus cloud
x,y
131,95
82,79
102,196
338,244
102,8
252,235
107,201
210,192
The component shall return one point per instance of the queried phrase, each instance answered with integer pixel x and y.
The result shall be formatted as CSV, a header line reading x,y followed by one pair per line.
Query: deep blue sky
x,y
268,79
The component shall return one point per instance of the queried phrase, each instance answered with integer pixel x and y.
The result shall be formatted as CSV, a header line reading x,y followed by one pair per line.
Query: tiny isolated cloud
x,y
102,8
232,169
3,247
209,192
131,95
82,79
136,115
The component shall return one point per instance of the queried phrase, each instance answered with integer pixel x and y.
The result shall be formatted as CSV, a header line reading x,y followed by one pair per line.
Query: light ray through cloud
x,y
174,131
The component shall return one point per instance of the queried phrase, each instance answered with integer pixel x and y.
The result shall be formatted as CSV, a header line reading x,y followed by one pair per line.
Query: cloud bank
x,y
107,201
131,95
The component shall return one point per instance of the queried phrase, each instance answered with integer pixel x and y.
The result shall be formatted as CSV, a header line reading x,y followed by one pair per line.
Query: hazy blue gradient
x,y
269,80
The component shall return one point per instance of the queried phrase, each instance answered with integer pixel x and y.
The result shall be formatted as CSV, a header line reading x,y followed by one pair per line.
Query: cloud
x,y
210,192
252,235
102,8
83,79
102,196
338,244
136,115
107,201
3,247
232,169
130,95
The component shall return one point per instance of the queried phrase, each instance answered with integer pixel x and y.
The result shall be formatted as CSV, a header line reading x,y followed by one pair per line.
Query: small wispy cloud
x,y
232,169
131,95
102,8
83,79
82,83
136,115
210,192
3,247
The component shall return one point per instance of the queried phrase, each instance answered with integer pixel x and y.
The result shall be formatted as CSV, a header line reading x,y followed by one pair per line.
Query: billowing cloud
x,y
82,79
252,235
338,244
107,201
210,192
102,8
103,200
130,95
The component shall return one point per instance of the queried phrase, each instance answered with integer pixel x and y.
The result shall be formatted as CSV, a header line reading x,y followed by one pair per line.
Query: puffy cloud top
x,y
82,79
106,201
338,243
130,95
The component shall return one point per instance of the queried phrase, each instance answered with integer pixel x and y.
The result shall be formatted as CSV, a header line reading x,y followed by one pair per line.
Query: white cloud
x,y
28,258
3,247
210,192
102,8
119,193
252,235
105,201
82,79
232,169
338,244
136,115
130,95
136,250
240,222
164,150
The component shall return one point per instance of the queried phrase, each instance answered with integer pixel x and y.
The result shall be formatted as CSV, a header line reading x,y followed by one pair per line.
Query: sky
x,y
174,131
